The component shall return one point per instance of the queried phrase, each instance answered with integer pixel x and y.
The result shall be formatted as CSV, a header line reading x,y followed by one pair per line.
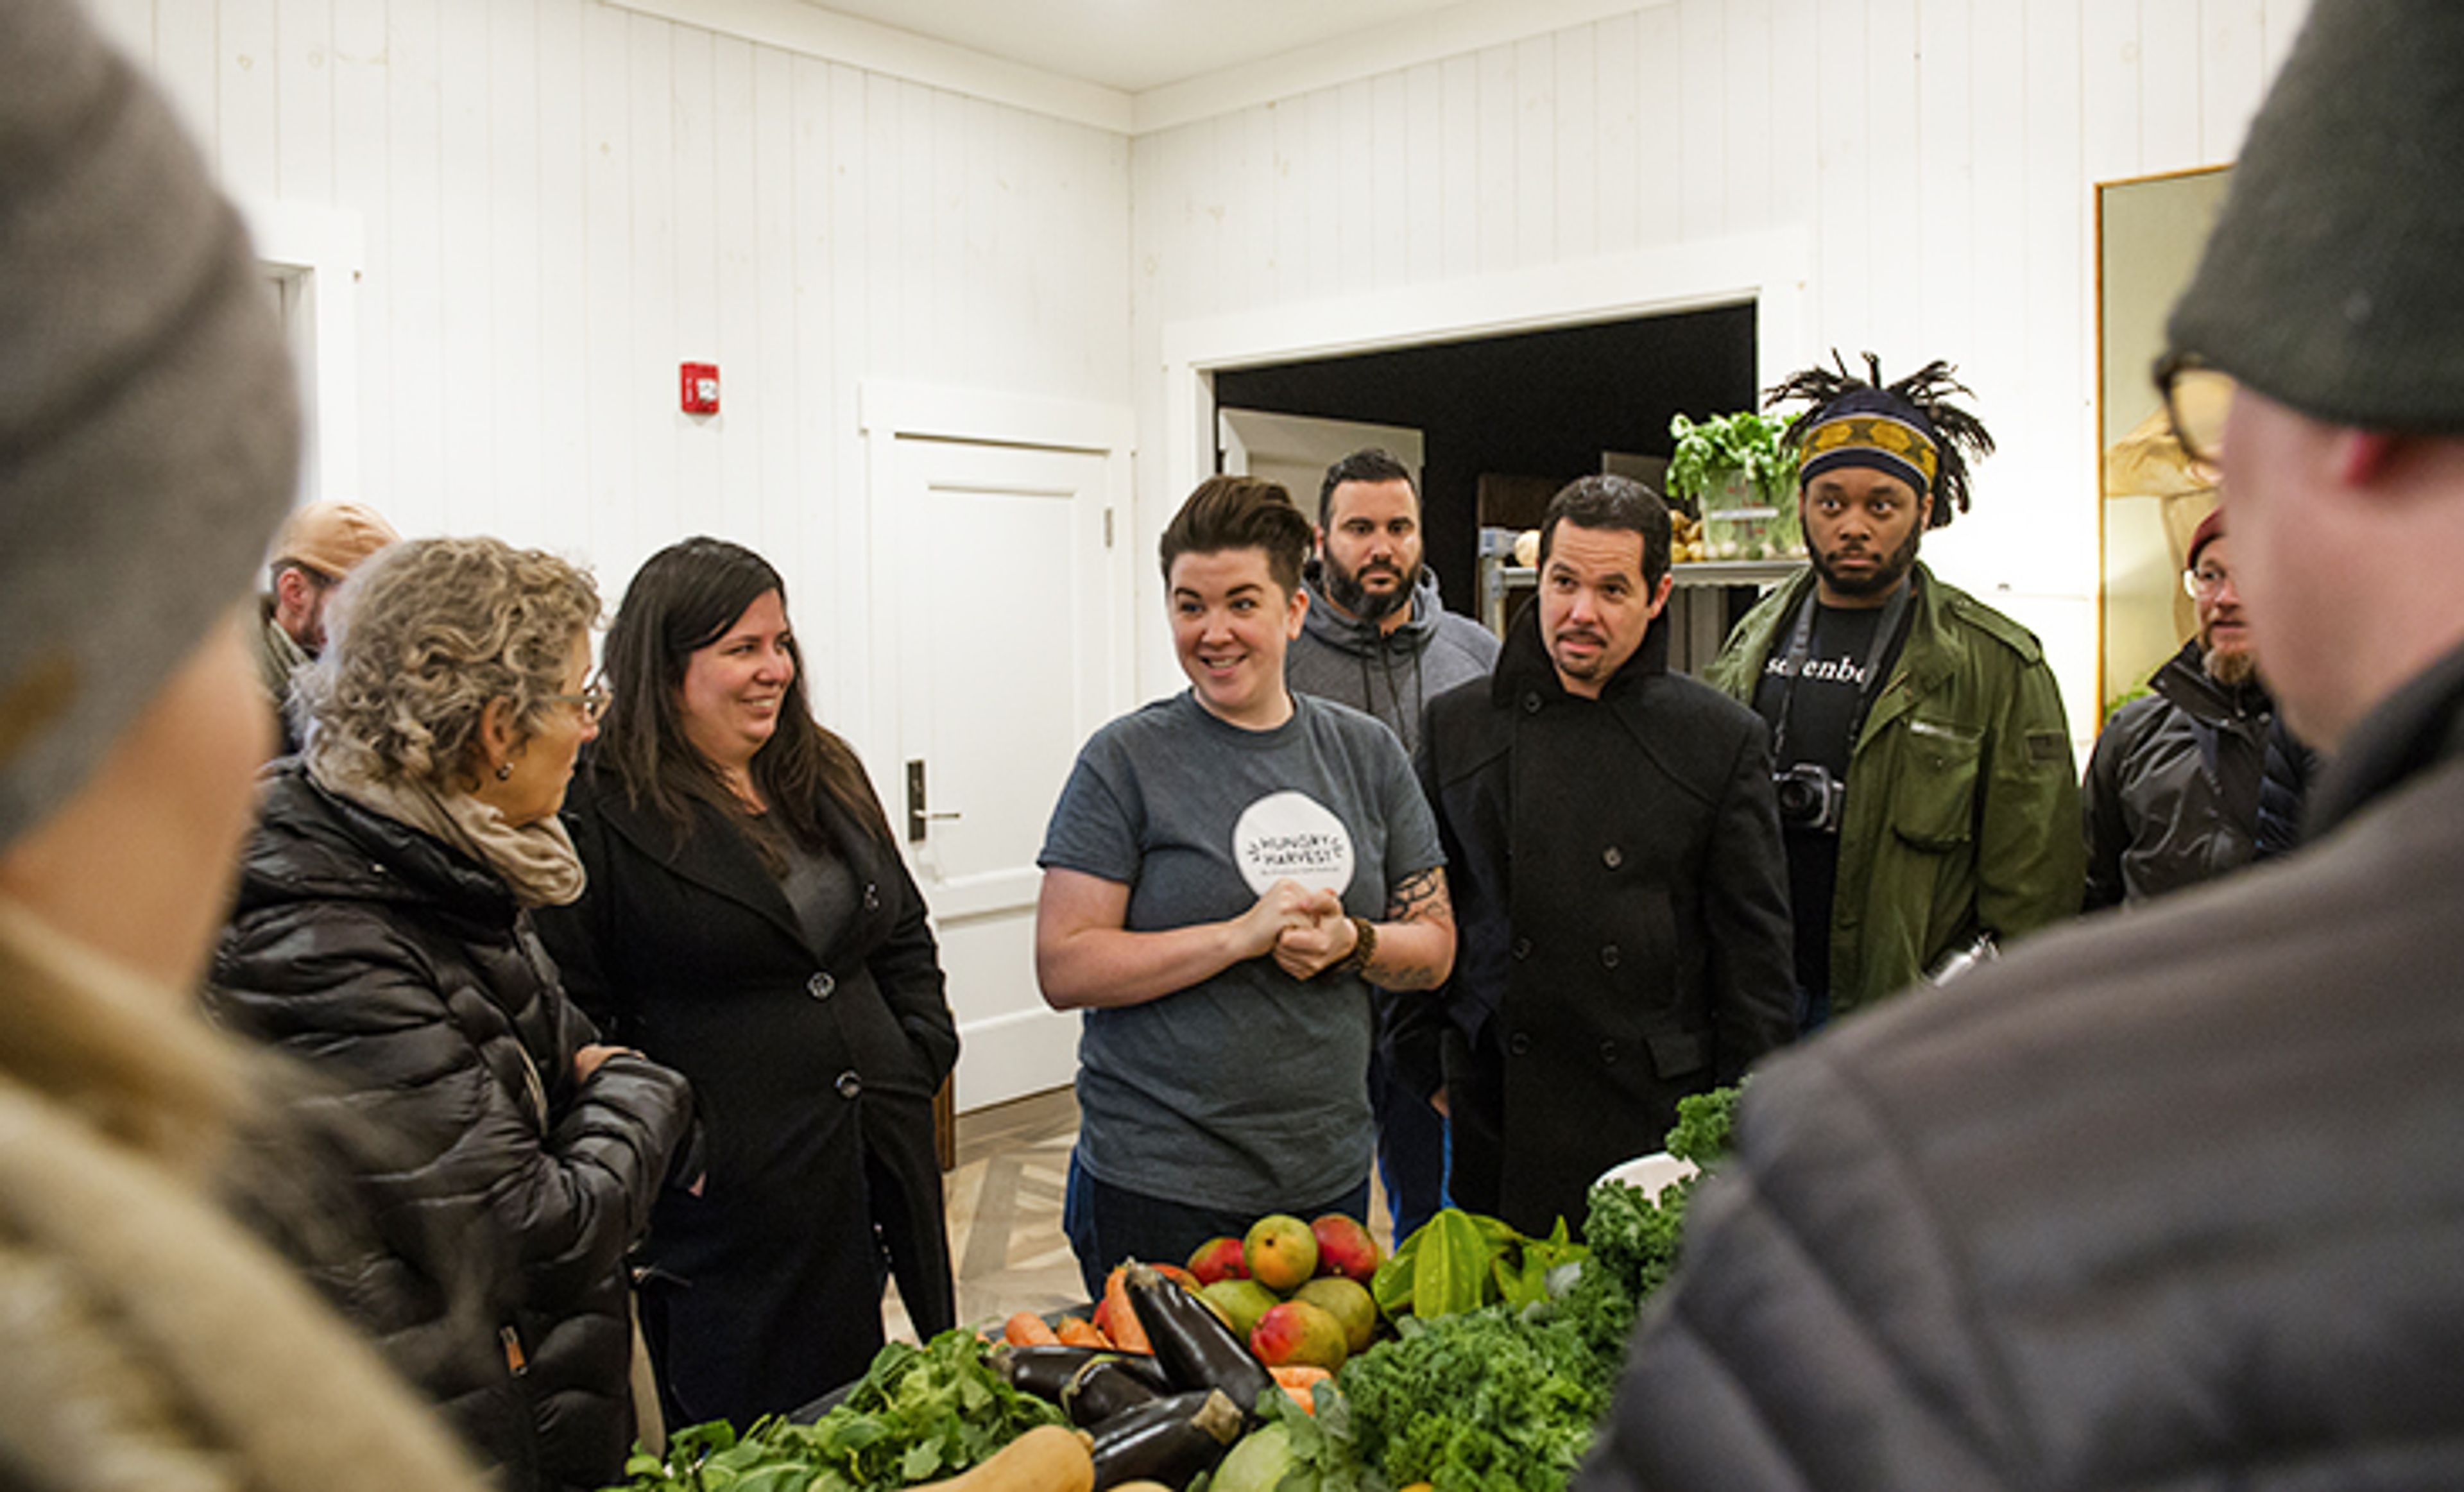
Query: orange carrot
x,y
1027,1329
1077,1334
1129,1333
1300,1383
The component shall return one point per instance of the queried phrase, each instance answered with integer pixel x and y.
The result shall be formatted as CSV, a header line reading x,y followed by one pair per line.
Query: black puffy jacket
x,y
2172,794
501,1194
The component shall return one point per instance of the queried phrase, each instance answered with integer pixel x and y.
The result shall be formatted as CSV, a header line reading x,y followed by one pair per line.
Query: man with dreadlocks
x,y
1923,765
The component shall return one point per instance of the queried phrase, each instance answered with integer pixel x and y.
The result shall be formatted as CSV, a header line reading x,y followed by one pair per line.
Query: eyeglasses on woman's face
x,y
591,702
2197,400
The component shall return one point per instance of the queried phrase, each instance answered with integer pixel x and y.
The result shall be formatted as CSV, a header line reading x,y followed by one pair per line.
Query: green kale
x,y
1705,1124
1489,1400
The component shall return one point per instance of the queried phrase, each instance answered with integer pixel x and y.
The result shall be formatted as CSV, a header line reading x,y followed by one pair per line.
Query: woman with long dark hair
x,y
749,922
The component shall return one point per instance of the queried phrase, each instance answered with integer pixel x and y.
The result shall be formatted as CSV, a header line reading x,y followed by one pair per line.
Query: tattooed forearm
x,y
1421,898
1417,952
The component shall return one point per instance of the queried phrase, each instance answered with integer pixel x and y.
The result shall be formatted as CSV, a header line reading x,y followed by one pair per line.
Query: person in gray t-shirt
x,y
1225,873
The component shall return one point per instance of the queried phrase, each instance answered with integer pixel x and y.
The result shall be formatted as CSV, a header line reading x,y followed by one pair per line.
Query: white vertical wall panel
x,y
562,201
1938,156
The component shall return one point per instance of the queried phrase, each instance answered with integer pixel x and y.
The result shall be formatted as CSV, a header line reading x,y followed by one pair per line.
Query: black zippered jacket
x,y
498,1195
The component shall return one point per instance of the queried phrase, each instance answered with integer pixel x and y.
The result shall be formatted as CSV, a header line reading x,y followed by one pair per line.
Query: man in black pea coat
x,y
1619,883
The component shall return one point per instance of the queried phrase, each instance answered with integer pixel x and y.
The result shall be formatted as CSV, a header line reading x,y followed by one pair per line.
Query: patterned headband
x,y
1866,438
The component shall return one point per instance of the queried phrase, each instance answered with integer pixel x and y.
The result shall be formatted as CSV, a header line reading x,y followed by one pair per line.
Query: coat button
x,y
1608,1053
871,896
1518,1044
1612,857
821,986
849,1084
1609,956
1521,948
1531,703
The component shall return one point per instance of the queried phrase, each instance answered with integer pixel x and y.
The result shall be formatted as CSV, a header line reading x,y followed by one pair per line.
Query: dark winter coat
x,y
1621,895
2164,1201
815,1069
501,1193
2172,791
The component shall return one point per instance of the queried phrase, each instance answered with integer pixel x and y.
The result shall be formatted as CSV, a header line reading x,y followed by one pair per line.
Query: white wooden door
x,y
1006,594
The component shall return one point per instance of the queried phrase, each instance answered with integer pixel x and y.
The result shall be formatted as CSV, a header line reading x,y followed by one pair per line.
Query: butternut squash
x,y
1046,1458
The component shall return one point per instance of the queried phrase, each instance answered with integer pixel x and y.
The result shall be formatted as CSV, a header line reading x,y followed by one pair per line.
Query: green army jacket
x,y
1962,810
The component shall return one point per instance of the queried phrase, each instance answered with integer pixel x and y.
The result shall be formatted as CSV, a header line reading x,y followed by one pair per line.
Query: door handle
x,y
920,820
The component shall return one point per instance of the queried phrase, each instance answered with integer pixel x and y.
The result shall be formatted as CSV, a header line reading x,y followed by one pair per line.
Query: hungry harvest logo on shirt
x,y
1291,836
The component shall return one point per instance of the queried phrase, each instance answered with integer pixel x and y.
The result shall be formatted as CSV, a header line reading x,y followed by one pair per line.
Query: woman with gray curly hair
x,y
383,934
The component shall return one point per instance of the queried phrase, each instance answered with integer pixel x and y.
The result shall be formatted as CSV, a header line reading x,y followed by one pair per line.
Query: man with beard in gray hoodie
x,y
1377,638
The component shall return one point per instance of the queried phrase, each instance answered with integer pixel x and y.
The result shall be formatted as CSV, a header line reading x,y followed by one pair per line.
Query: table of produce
x,y
1294,1360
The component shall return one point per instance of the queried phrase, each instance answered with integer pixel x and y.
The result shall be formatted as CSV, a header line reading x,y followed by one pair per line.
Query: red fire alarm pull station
x,y
701,387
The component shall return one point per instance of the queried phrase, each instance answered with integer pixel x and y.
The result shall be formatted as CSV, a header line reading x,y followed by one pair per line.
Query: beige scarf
x,y
537,859
146,1343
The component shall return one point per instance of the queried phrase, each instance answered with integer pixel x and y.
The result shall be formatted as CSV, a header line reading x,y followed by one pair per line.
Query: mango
x,y
1299,1335
1344,1248
1281,1252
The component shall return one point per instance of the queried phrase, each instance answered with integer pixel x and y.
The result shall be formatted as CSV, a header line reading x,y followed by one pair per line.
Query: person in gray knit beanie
x,y
2169,1197
147,448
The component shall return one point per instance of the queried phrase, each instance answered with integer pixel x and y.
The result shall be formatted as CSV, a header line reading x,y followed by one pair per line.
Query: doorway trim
x,y
1769,270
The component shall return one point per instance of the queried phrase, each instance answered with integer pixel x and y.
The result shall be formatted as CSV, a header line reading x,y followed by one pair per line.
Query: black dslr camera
x,y
1809,797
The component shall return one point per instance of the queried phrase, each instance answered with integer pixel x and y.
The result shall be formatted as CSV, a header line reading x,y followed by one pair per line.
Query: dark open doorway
x,y
1544,404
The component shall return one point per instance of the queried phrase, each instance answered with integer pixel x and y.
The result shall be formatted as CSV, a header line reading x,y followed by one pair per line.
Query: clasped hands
x,y
1305,927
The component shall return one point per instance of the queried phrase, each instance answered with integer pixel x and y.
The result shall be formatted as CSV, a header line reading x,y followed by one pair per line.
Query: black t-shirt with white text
x,y
1828,707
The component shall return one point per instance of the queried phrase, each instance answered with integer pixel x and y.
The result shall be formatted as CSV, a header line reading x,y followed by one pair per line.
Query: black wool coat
x,y
815,1069
1620,896
500,1192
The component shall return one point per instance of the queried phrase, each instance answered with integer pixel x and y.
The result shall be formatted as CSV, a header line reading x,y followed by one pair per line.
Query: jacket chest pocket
x,y
1934,803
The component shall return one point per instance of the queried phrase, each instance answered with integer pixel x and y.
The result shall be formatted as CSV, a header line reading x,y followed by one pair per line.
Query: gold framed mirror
x,y
2150,230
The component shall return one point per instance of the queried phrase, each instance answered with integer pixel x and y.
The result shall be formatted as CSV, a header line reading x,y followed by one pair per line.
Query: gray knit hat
x,y
148,425
2334,282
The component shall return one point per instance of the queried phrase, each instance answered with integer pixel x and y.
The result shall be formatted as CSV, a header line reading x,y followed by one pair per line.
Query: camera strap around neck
x,y
1800,650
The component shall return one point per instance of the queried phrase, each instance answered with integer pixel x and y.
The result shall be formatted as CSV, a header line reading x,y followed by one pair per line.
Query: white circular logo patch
x,y
1292,837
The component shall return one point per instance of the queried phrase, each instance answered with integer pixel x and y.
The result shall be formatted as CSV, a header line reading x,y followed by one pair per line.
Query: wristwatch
x,y
1364,948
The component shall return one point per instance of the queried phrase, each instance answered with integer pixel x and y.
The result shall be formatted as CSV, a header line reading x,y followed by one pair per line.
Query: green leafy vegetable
x,y
1461,1260
1745,443
1484,1400
918,1415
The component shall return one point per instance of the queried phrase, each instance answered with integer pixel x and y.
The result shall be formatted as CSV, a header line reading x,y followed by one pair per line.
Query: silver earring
x,y
504,771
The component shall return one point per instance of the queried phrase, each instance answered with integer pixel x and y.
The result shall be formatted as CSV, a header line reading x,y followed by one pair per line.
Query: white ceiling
x,y
1134,45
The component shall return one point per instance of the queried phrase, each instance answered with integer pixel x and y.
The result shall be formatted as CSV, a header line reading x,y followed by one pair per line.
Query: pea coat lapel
x,y
715,856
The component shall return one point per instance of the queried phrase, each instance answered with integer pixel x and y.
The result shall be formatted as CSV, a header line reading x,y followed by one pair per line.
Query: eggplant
x,y
1167,1440
1045,1371
1103,1389
1196,1350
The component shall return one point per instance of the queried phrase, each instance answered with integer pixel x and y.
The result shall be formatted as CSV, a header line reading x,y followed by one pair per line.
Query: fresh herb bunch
x,y
1744,442
918,1415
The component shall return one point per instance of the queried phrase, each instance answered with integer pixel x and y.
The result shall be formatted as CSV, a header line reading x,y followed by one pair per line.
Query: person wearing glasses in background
x,y
2175,789
2171,1200
506,1158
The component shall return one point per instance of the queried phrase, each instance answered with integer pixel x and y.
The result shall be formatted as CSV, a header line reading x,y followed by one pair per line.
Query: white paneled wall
x,y
1939,156
562,201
